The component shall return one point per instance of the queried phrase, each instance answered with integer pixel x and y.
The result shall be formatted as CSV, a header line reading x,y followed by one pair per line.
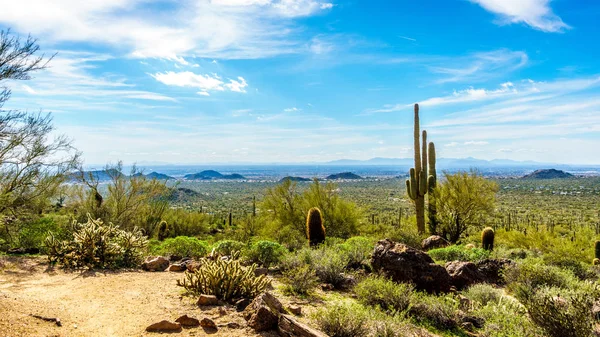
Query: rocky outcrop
x,y
491,270
158,263
188,321
405,264
290,327
464,274
263,313
433,242
164,326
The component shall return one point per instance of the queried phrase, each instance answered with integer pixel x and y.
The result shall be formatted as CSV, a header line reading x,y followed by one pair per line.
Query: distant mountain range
x,y
211,174
344,175
548,174
295,179
443,162
154,175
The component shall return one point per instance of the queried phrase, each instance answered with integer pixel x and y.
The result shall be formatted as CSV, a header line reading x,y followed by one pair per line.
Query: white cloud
x,y
206,83
294,109
476,143
534,13
28,89
218,28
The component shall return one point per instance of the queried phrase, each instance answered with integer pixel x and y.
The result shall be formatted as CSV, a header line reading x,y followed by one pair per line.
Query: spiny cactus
x,y
254,206
315,231
228,280
418,184
163,231
487,238
432,183
597,249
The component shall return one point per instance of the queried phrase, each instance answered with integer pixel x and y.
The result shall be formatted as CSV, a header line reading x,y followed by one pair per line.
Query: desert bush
x,y
228,247
566,315
437,311
95,244
183,246
534,273
300,281
330,265
483,294
358,251
460,253
266,253
34,233
228,280
378,291
506,318
343,320
293,260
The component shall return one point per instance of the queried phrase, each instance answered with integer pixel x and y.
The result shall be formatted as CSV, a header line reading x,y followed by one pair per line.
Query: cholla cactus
x,y
228,280
487,238
315,231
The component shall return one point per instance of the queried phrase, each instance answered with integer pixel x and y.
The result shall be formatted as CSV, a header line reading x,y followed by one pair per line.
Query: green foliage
x,y
228,280
228,247
458,253
463,201
300,280
342,320
483,294
330,265
183,246
384,293
437,311
97,245
184,222
533,273
315,231
506,318
566,315
358,251
34,233
487,238
266,253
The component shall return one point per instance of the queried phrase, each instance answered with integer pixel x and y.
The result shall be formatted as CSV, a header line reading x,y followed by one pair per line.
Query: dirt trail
x,y
96,303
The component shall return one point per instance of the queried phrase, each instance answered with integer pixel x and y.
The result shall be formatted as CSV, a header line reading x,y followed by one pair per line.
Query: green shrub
x,y
97,245
384,293
34,233
358,251
266,253
343,320
300,281
483,294
228,247
533,273
228,280
566,315
437,311
507,318
330,265
458,253
184,246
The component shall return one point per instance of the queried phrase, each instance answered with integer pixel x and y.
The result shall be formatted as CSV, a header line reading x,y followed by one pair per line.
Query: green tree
x,y
33,165
463,200
284,206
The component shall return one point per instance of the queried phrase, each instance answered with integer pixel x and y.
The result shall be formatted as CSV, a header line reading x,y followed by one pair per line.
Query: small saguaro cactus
x,y
163,230
487,238
315,231
597,250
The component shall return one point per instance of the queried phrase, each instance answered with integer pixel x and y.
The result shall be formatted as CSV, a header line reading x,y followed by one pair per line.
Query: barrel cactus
x,y
315,231
487,238
163,231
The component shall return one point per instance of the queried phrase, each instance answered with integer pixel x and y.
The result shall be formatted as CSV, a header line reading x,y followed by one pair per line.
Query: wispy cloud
x,y
205,83
534,13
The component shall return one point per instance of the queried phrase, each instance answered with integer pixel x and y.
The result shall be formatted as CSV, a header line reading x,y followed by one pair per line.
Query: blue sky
x,y
205,81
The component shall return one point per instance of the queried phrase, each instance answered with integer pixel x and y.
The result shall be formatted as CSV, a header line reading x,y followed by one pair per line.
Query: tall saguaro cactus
x,y
418,184
432,182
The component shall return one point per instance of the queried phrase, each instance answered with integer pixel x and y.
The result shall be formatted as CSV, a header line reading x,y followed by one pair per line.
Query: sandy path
x,y
94,303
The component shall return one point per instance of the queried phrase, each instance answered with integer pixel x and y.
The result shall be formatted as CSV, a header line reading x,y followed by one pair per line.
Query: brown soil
x,y
96,303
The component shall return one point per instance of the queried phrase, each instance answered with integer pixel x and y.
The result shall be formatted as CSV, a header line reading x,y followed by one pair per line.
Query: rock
x,y
188,321
405,264
348,282
327,287
491,269
231,325
296,310
464,274
433,242
241,305
465,304
477,322
23,251
208,323
158,263
208,300
263,313
290,327
222,311
177,267
164,326
192,265
261,271
467,326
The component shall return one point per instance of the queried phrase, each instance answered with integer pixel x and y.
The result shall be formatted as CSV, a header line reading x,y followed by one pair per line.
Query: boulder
x,y
263,313
242,304
158,263
464,274
164,326
177,267
290,327
191,265
405,264
296,310
491,269
188,321
433,242
208,300
208,323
